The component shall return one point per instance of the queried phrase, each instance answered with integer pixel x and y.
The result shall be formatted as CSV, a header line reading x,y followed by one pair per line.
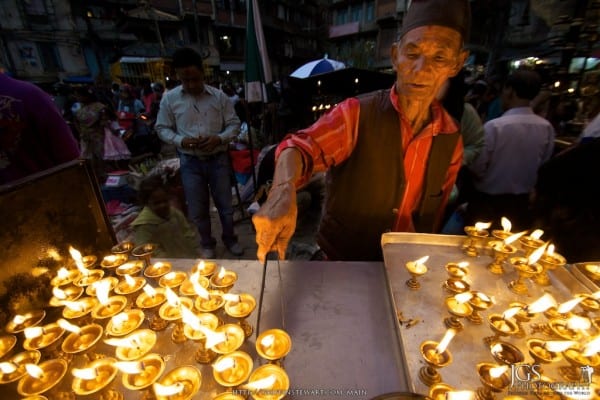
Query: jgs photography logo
x,y
527,379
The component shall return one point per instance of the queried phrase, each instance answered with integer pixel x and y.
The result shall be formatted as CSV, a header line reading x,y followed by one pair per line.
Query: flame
x,y
62,273
223,364
131,341
460,395
497,372
19,319
483,297
170,276
542,304
53,253
189,318
441,347
536,234
578,323
158,265
268,340
514,237
130,281
130,367
212,338
463,264
59,293
120,319
264,383
170,390
150,291
421,260
74,305
536,254
550,250
595,295
102,288
511,312
233,298
200,266
482,225
7,367
85,373
506,225
111,258
33,332
172,298
76,256
558,346
569,305
463,297
222,273
200,291
459,285
67,326
497,348
592,347
34,370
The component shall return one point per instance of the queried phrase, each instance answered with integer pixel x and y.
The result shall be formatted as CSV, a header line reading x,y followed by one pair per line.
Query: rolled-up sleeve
x,y
166,124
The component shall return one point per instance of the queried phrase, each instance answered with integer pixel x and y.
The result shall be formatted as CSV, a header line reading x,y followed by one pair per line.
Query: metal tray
x,y
426,305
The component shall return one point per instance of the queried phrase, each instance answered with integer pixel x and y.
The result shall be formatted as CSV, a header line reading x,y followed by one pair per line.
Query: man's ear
x,y
394,53
460,62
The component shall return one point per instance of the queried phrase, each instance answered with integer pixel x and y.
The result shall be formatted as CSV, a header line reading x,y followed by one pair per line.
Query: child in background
x,y
160,223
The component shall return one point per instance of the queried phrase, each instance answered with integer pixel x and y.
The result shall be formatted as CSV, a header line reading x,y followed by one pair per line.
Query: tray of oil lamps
x,y
588,273
441,292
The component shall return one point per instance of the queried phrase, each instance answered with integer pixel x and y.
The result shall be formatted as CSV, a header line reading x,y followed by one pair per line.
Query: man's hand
x,y
275,221
209,143
190,143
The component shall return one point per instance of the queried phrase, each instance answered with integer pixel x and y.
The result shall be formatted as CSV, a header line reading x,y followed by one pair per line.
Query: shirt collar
x,y
519,111
442,121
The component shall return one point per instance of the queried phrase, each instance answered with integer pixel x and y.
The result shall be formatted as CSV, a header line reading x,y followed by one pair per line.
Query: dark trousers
x,y
483,207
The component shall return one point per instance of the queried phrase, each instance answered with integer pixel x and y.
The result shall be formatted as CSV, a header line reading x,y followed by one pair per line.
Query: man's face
x,y
424,59
192,79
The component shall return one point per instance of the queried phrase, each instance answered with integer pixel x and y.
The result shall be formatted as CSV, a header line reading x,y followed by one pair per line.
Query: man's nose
x,y
423,64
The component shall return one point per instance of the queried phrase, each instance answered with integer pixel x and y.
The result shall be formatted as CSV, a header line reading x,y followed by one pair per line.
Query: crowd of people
x,y
437,151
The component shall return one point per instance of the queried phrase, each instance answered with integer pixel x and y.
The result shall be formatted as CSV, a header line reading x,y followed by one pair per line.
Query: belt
x,y
208,157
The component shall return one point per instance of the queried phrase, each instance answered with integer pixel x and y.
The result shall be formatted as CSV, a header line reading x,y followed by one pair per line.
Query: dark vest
x,y
363,192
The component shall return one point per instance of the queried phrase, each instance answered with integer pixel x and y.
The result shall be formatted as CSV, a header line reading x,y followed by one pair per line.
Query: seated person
x,y
160,223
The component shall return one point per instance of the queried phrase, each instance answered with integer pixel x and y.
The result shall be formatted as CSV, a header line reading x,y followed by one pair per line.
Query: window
x,y
49,56
356,13
340,17
34,7
370,13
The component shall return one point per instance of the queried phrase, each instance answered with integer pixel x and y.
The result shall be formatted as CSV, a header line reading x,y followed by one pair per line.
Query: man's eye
x,y
412,56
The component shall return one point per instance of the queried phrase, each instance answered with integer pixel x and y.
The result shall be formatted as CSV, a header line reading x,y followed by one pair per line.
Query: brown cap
x,y
454,14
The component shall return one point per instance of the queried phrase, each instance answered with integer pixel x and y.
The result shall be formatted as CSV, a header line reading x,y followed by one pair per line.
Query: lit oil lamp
x,y
224,280
149,300
234,338
21,322
588,303
172,311
476,234
578,358
196,328
458,307
14,369
522,315
501,250
268,382
158,269
211,303
65,293
64,277
501,234
436,355
453,285
42,337
526,268
42,377
187,287
240,307
506,353
125,322
141,374
88,277
172,279
130,286
415,269
546,352
109,283
133,346
273,344
232,369
95,377
79,310
531,242
569,329
438,391
592,270
494,379
112,261
112,306
122,248
81,340
181,383
457,270
479,302
131,268
144,252
549,262
205,268
501,325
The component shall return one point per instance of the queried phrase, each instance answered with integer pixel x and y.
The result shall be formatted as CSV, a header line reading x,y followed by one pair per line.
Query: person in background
x,y
391,156
516,144
200,121
91,120
33,134
163,224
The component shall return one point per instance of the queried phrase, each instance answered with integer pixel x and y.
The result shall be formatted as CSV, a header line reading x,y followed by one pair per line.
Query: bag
x,y
114,147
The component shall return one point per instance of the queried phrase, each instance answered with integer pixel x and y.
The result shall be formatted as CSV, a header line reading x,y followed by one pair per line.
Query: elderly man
x,y
391,156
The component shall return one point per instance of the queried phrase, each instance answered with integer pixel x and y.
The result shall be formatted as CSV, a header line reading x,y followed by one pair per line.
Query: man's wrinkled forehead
x,y
453,14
